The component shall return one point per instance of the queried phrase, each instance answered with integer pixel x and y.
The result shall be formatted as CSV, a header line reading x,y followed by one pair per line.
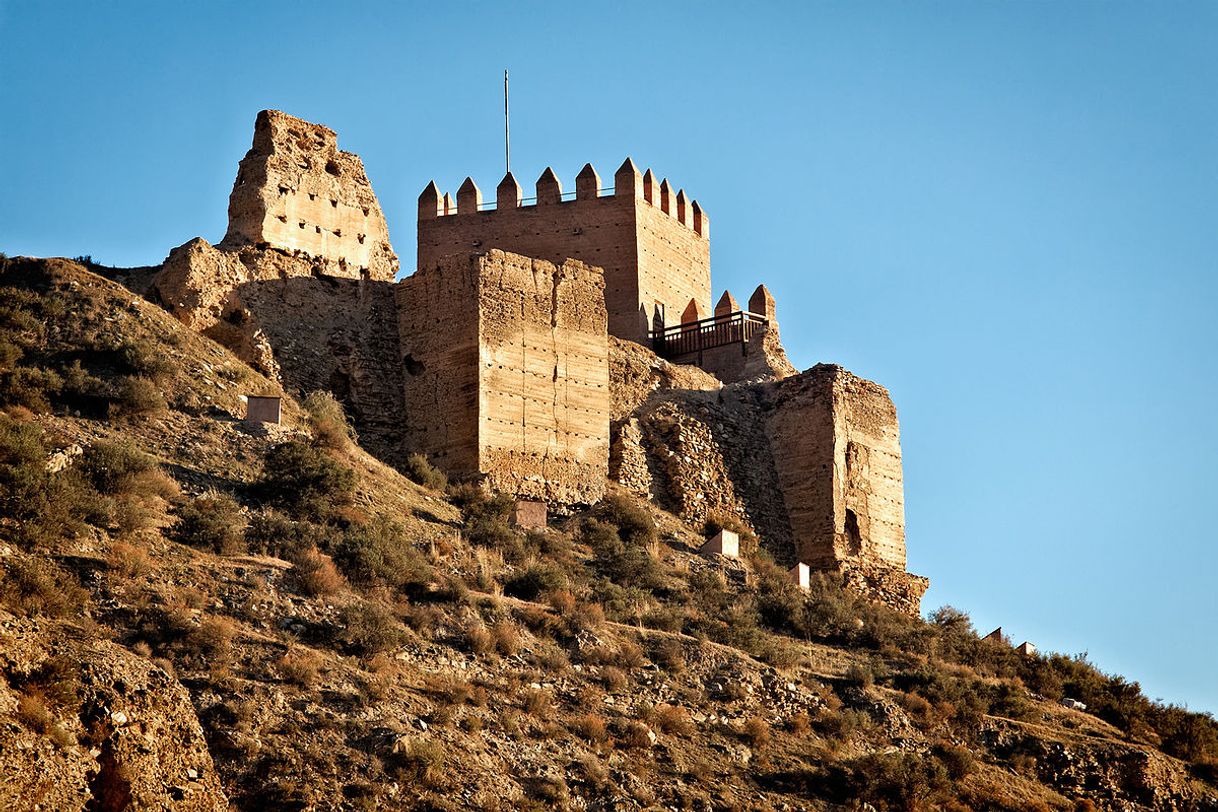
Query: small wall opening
x,y
854,538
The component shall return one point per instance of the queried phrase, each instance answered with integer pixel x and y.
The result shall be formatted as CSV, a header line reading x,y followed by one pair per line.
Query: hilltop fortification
x,y
535,349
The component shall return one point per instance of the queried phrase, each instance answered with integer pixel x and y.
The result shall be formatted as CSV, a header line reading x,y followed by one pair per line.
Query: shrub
x,y
115,466
316,573
128,560
635,735
634,524
756,731
615,679
669,655
629,566
537,703
212,639
379,553
419,761
40,587
136,397
506,638
147,360
592,728
671,719
420,470
369,628
43,506
213,522
306,482
300,667
478,640
535,581
30,387
487,524
327,420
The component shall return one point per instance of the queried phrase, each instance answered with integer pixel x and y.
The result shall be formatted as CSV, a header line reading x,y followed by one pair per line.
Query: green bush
x,y
306,482
213,522
271,533
31,387
628,566
42,506
535,581
634,524
369,628
421,471
380,553
144,359
136,397
111,465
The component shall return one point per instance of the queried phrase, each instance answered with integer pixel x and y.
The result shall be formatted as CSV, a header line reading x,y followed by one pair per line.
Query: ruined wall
x,y
510,373
438,341
837,453
297,192
648,255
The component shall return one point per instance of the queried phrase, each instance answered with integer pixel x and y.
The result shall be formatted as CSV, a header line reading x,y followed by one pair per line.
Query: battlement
x,y
629,184
651,242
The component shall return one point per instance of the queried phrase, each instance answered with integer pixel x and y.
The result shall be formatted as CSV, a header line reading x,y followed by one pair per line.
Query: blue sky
x,y
1007,213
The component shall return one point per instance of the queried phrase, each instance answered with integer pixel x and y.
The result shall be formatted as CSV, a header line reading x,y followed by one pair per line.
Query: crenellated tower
x,y
652,242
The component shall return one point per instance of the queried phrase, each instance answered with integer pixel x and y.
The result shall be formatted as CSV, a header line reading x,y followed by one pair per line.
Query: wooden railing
x,y
717,331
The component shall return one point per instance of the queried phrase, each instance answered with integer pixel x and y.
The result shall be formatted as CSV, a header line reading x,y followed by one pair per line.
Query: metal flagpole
x,y
507,140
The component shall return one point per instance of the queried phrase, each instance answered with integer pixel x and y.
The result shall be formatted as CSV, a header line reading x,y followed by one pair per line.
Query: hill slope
x,y
195,612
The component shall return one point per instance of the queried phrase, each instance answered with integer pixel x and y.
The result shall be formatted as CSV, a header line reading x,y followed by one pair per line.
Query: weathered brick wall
x,y
438,340
647,255
836,447
511,375
296,191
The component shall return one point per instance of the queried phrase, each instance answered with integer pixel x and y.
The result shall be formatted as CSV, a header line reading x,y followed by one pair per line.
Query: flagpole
x,y
507,141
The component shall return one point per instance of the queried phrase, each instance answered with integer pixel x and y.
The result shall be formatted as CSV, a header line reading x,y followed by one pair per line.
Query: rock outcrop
x,y
94,727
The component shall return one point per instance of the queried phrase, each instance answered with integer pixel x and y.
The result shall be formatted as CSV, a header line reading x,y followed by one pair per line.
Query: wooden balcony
x,y
717,331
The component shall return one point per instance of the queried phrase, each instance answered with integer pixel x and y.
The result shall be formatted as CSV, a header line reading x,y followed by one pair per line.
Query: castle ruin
x,y
538,348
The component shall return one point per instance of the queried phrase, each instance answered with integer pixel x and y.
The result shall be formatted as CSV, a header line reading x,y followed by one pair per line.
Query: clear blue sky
x,y
1007,213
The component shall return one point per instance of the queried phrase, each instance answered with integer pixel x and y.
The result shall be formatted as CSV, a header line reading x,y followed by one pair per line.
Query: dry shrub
x,y
506,638
553,659
635,735
800,724
538,703
40,587
33,713
562,601
418,761
316,573
615,679
370,628
591,727
630,656
301,667
328,421
756,731
671,719
128,560
669,655
479,640
595,772
213,638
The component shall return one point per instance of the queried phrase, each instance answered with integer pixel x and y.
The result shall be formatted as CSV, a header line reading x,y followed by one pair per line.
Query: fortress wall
x,y
438,339
543,379
296,191
836,447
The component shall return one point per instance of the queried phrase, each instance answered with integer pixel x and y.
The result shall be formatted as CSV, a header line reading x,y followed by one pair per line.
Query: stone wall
x,y
650,253
837,453
761,357
296,191
507,373
811,463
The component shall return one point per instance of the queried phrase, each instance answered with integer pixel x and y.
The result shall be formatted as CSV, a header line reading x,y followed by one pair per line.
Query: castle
x,y
539,339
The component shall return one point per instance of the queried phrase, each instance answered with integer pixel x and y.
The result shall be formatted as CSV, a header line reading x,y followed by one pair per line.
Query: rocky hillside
x,y
196,613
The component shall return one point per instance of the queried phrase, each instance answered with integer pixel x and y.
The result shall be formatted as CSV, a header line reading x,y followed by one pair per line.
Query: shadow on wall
x,y
335,334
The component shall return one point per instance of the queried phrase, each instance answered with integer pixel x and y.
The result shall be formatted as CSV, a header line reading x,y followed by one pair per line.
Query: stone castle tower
x,y
652,243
